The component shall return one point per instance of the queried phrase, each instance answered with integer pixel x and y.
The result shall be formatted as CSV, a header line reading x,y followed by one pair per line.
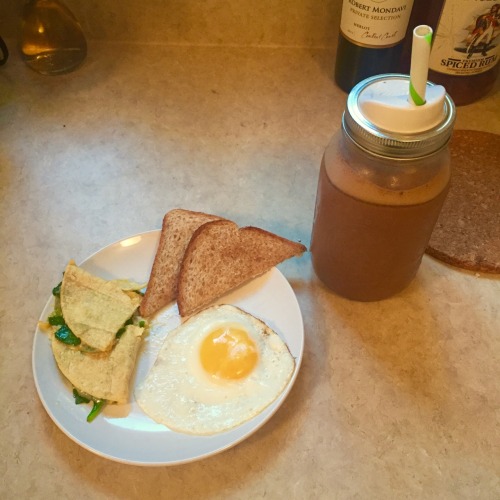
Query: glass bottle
x,y
4,51
52,40
382,183
424,12
370,39
466,48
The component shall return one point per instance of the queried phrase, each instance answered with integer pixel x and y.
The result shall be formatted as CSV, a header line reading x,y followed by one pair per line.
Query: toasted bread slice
x,y
177,229
221,256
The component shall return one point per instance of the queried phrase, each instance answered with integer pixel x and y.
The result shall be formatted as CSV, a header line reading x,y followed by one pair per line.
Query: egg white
x,y
180,394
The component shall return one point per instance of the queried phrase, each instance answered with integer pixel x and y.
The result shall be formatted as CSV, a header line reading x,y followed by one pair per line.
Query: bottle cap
x,y
381,118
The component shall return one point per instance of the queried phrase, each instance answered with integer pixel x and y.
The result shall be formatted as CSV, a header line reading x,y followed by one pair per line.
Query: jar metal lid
x,y
393,144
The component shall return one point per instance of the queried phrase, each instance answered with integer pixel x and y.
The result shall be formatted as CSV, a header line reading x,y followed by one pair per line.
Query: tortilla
x,y
103,375
95,309
125,284
467,234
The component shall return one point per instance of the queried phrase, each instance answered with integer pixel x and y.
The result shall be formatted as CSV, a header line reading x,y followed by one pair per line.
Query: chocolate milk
x,y
368,251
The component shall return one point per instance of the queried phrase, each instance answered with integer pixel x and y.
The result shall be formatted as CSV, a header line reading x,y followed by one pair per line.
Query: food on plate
x,y
206,256
217,370
95,335
97,325
103,375
220,256
177,229
95,309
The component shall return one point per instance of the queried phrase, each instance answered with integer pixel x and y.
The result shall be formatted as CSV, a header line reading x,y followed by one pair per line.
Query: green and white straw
x,y
419,68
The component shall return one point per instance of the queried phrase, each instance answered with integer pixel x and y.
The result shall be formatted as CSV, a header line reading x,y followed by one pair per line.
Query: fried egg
x,y
217,370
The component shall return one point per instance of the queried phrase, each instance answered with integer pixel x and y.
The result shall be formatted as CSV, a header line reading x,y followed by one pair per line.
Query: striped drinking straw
x,y
420,52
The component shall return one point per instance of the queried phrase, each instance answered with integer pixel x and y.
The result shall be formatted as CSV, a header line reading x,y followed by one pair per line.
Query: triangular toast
x,y
221,256
177,229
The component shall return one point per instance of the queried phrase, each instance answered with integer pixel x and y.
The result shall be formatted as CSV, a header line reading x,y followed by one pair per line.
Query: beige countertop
x,y
396,399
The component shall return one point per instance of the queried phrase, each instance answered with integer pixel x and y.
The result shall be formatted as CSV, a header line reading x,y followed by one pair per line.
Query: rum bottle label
x,y
467,38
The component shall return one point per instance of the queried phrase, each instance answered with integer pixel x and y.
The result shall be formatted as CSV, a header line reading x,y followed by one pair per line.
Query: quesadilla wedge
x,y
95,309
103,375
95,333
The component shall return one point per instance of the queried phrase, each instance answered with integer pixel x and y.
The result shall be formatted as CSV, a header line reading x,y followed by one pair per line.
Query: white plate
x,y
123,432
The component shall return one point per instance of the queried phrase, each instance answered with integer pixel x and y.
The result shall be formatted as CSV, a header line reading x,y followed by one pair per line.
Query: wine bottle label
x,y
467,37
375,23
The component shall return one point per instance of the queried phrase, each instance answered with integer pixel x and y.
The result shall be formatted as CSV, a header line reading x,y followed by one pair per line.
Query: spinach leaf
x,y
56,319
65,335
96,409
97,404
79,399
56,291
121,331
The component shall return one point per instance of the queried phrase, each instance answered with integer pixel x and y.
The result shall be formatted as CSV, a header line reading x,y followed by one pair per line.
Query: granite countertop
x,y
395,399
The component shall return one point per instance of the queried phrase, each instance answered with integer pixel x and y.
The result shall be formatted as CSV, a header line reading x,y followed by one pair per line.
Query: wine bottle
x,y
464,55
370,39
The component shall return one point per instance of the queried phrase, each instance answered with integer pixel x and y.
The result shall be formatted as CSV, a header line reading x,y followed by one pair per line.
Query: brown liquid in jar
x,y
368,251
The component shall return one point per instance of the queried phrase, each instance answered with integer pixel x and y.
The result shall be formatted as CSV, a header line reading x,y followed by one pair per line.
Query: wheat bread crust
x,y
221,256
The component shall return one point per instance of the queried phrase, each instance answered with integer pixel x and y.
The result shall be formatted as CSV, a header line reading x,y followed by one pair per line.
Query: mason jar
x,y
380,191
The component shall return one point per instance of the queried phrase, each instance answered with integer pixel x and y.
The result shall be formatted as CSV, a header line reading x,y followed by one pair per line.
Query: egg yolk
x,y
228,353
